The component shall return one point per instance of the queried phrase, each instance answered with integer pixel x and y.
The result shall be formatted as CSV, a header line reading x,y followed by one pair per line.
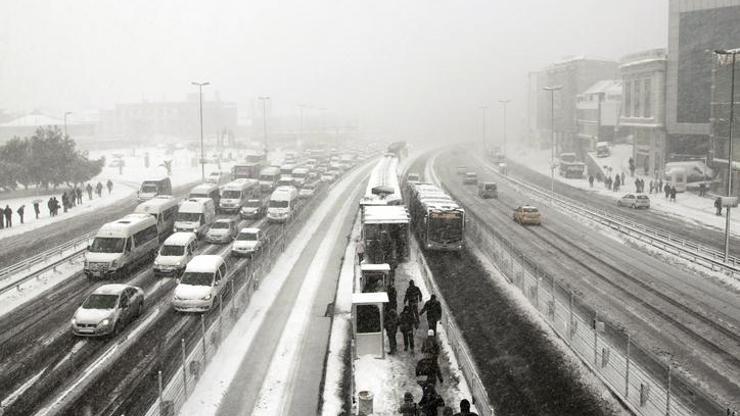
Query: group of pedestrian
x,y
432,404
640,185
670,192
614,184
656,186
69,199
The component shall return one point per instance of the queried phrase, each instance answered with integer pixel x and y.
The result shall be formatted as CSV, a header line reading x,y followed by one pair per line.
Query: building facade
x,y
597,113
720,122
695,27
643,108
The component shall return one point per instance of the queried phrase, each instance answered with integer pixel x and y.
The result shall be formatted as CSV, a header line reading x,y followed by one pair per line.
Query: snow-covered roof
x,y
382,267
112,289
385,214
370,297
605,86
156,204
179,238
204,263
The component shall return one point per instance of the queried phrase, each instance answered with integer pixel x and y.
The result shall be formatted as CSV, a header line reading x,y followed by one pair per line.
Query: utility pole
x,y
264,118
483,109
200,86
552,90
65,123
504,102
732,53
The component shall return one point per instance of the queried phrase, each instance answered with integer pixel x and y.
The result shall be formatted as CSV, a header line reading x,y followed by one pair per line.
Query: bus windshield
x,y
107,245
445,227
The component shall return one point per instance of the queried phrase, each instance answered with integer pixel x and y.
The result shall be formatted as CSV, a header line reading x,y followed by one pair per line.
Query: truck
x,y
254,162
570,167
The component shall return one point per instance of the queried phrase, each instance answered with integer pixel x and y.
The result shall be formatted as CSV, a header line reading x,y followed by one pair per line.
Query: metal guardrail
x,y
63,253
700,254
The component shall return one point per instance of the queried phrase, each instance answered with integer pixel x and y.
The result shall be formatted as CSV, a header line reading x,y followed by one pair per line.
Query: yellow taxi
x,y
527,214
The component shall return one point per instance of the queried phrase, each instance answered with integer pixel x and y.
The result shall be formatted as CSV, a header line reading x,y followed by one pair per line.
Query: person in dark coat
x,y
50,205
433,309
21,209
427,369
413,298
430,401
702,189
78,191
622,181
406,323
673,194
465,409
8,216
109,184
408,407
430,345
617,183
2,219
718,205
36,209
591,181
392,297
65,201
89,190
391,327
99,189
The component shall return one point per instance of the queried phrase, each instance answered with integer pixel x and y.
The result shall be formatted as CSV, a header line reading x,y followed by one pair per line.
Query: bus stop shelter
x,y
367,323
385,228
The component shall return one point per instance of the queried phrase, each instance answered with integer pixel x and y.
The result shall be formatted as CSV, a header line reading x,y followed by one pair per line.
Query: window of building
x,y
647,110
637,85
628,99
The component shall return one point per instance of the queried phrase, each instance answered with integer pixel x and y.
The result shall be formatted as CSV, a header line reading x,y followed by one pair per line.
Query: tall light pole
x,y
200,86
264,118
483,109
732,53
504,102
65,123
552,90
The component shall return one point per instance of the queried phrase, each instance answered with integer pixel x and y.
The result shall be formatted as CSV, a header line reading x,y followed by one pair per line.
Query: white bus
x,y
120,245
164,209
236,193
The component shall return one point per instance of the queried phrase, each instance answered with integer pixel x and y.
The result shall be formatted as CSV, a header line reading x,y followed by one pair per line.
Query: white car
x,y
634,201
222,231
107,310
248,241
327,177
204,281
175,254
307,191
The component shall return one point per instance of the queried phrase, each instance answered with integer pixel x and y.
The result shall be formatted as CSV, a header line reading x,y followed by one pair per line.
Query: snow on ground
x,y
125,185
688,206
221,370
388,379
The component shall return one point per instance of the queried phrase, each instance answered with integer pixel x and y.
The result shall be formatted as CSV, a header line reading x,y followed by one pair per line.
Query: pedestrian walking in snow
x,y
109,184
78,191
2,219
430,345
99,189
89,190
652,186
465,409
360,249
412,298
702,189
50,205
667,190
637,185
392,296
591,181
390,322
408,407
622,178
430,401
65,201
8,216
36,209
21,209
406,323
433,309
673,194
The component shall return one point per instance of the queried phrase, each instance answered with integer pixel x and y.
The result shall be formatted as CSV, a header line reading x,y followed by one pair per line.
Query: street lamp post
x,y
732,53
65,123
200,86
504,102
483,109
552,90
264,119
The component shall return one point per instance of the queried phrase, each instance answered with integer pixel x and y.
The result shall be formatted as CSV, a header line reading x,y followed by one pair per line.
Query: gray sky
x,y
416,68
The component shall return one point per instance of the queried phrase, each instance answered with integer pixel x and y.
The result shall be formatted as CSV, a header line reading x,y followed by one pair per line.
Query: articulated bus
x,y
438,221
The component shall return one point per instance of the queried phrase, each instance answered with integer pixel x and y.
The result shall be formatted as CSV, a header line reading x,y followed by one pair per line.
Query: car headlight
x,y
114,264
105,322
74,321
207,297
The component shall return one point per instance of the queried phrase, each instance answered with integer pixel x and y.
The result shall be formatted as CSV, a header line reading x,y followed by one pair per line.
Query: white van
x,y
195,215
206,190
153,187
236,193
299,176
282,204
175,254
164,209
285,180
203,281
120,245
